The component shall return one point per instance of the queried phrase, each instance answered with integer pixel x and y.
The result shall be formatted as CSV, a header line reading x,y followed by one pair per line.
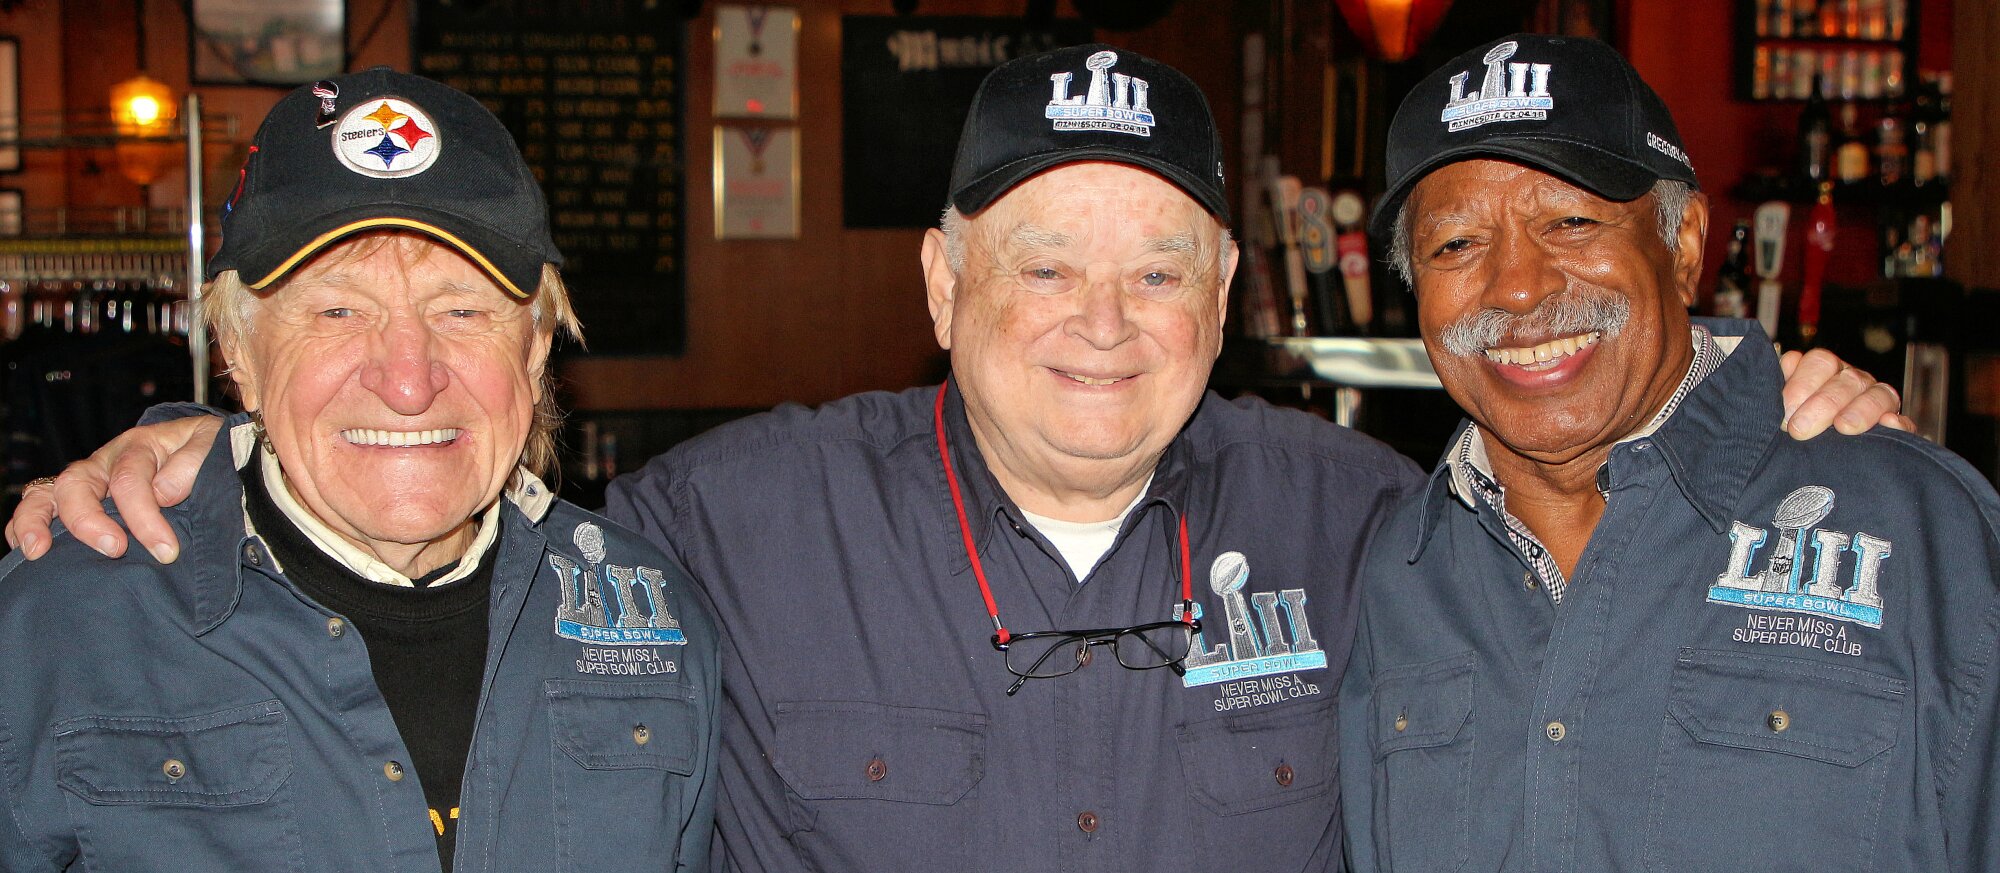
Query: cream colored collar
x,y
524,490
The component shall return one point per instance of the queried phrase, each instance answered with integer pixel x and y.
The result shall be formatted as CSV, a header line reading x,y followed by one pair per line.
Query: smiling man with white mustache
x,y
1630,624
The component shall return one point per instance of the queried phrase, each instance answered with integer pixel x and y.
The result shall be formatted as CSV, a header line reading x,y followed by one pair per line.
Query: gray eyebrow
x,y
1038,237
1182,243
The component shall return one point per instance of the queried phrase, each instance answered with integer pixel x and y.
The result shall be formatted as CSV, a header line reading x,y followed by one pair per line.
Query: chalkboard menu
x,y
906,83
591,90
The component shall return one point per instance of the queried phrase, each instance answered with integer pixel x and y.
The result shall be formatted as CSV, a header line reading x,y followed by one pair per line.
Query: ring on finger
x,y
49,481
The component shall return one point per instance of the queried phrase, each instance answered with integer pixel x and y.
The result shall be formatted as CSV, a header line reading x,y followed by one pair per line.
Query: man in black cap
x,y
1066,611
386,646
1629,625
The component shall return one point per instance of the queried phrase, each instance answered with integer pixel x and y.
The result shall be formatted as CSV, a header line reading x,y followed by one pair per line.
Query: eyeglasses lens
x,y
1154,645
1046,657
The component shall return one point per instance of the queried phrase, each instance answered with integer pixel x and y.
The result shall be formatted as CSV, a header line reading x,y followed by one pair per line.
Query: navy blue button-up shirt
x,y
206,716
1773,655
866,724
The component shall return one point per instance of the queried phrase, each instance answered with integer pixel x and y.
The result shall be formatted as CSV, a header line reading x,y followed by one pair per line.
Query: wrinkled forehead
x,y
1477,185
1089,198
381,253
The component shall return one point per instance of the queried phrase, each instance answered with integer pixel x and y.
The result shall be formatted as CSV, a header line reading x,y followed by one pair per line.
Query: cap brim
x,y
516,270
1589,167
981,192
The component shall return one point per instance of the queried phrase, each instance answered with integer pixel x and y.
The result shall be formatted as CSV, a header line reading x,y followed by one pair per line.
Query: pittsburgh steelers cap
x,y
1568,106
379,150
1087,103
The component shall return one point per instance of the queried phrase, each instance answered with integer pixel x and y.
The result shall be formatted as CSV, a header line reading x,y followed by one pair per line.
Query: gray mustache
x,y
1559,315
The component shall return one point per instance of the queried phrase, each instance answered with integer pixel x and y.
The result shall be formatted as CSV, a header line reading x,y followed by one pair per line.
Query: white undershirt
x,y
1083,543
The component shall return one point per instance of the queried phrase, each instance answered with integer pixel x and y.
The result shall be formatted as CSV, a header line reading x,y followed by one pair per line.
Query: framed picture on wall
x,y
10,104
268,42
756,182
756,61
11,220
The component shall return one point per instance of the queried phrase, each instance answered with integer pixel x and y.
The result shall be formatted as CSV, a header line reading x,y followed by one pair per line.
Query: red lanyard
x,y
1000,634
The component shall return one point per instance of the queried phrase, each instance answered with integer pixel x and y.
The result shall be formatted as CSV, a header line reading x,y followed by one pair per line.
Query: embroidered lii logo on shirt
x,y
1509,92
1268,631
609,604
1793,580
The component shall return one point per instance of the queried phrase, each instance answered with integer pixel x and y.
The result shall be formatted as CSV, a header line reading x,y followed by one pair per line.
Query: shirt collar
x,y
524,490
1465,469
989,510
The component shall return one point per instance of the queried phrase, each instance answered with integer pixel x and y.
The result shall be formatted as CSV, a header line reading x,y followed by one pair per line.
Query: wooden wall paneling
x,y
1971,257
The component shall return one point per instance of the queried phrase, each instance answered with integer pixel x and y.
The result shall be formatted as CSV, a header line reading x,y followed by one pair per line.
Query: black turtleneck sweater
x,y
426,645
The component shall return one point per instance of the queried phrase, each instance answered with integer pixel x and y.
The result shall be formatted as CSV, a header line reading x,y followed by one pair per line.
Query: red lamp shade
x,y
1393,29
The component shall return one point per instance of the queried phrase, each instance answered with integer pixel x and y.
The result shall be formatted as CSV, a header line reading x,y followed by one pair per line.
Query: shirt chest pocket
x,y
1247,763
1423,743
195,793
624,755
1769,763
893,772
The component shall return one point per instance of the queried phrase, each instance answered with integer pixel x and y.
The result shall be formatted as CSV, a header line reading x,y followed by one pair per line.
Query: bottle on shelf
x,y
1815,138
1892,152
1941,127
1852,161
1923,135
1733,280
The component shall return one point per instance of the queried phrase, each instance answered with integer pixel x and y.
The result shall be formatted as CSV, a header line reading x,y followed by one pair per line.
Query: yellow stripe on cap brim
x,y
325,239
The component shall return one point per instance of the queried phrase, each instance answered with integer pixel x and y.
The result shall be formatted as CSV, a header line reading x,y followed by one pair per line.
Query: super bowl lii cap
x,y
1087,103
1568,106
377,150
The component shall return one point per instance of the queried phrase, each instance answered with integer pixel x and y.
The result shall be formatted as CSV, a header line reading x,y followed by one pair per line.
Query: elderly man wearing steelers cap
x,y
385,645
1629,625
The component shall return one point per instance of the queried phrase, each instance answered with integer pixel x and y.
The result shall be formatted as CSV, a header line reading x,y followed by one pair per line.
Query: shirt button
x,y
878,770
1556,731
1284,775
393,770
335,627
642,734
1402,723
1086,822
174,769
250,554
1083,654
1780,720
1528,580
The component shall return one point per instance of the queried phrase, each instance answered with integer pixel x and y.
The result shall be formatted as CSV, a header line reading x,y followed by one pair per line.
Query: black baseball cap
x,y
379,150
1569,106
1087,103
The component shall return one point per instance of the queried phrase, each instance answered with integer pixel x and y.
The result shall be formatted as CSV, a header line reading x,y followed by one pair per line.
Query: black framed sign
x,y
591,90
906,85
268,42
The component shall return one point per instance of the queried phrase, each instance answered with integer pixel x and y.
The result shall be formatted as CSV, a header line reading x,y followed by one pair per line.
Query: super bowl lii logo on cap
x,y
387,138
1114,101
1509,92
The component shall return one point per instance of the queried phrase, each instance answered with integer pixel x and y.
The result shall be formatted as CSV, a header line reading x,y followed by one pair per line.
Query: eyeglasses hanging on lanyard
x,y
1048,654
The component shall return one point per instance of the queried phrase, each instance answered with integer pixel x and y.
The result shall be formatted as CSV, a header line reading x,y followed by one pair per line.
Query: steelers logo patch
x,y
387,138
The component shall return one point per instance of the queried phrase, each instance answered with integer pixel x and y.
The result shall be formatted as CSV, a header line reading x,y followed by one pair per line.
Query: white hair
x,y
1670,202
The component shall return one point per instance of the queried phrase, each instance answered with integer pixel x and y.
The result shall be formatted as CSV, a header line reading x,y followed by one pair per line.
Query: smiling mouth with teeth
x,y
1091,380
368,436
1546,355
